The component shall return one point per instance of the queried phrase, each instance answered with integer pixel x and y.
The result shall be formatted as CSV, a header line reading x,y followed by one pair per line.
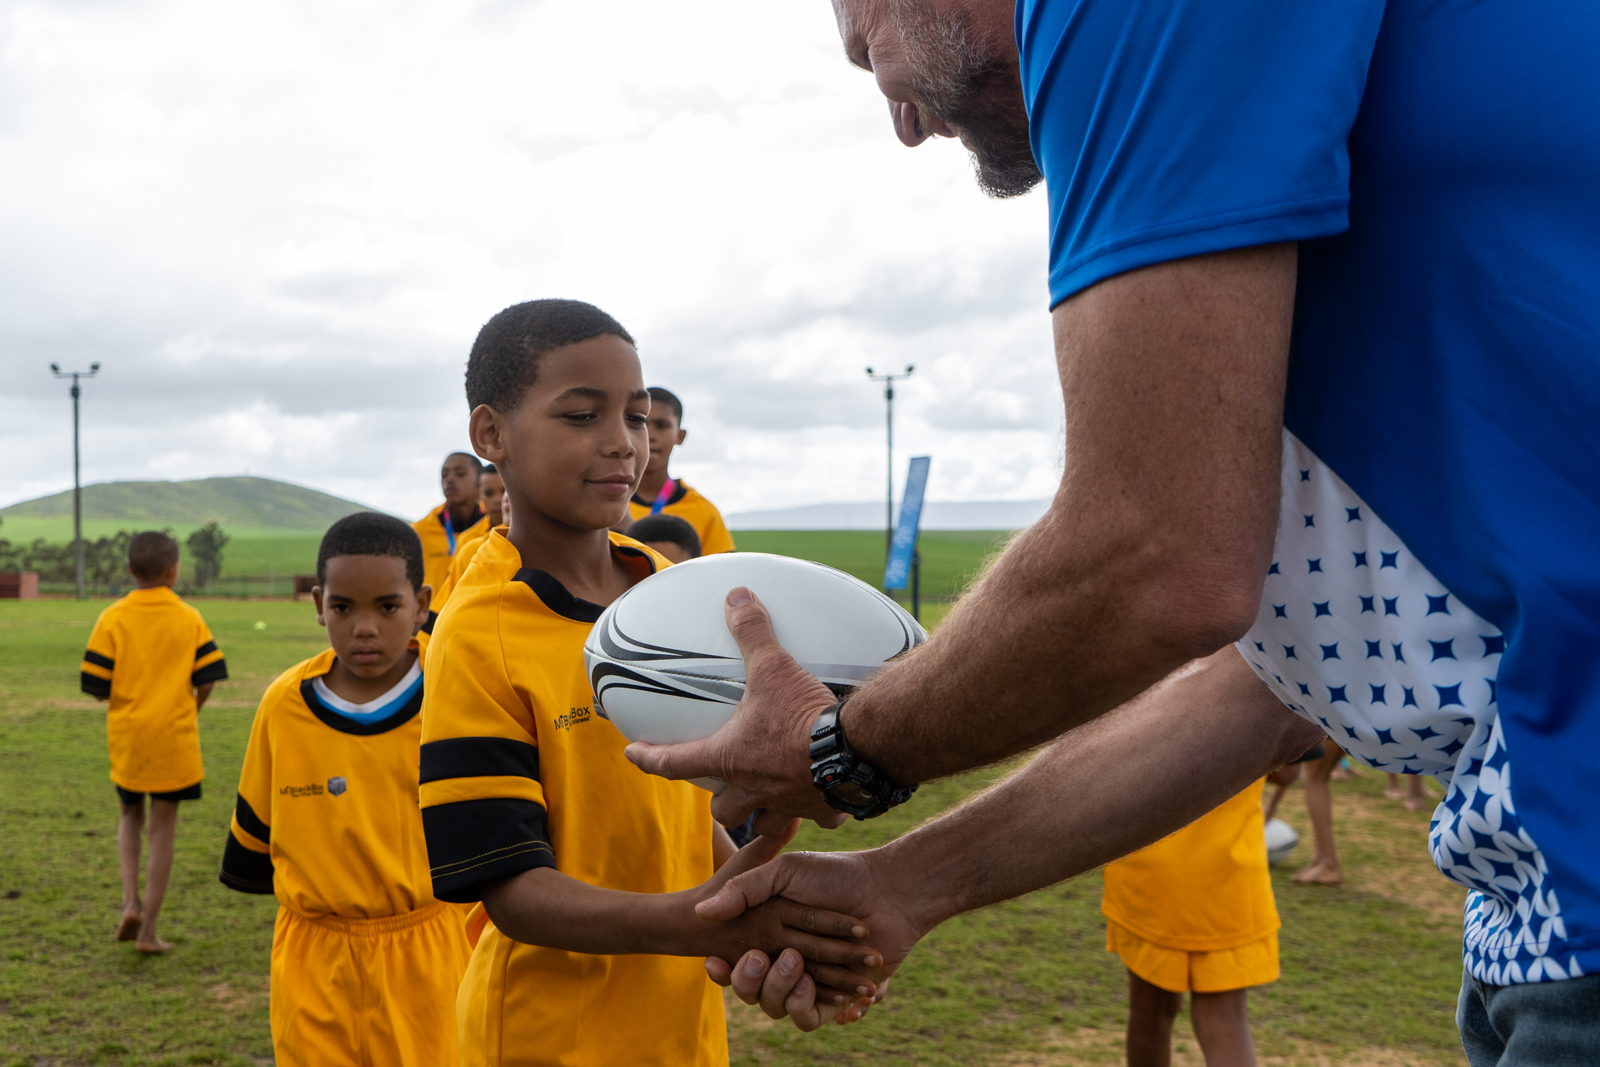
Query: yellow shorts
x,y
1240,967
353,992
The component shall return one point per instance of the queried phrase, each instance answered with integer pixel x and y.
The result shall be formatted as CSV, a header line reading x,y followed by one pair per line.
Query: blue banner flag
x,y
898,569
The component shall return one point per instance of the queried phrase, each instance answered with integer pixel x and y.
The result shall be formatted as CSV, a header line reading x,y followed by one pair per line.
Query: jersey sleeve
x,y
1175,128
483,806
714,537
247,853
99,660
209,666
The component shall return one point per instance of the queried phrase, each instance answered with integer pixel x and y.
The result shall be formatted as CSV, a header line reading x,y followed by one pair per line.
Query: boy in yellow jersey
x,y
459,517
1194,913
152,656
588,869
660,493
492,495
365,962
669,535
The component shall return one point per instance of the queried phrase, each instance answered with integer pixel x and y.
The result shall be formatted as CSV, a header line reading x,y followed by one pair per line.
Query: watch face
x,y
848,792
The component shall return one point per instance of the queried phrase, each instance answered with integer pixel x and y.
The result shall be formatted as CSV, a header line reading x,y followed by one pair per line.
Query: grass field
x,y
1370,970
950,558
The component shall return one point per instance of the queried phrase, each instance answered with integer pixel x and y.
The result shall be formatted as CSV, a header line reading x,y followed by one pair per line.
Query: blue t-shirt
x,y
1435,595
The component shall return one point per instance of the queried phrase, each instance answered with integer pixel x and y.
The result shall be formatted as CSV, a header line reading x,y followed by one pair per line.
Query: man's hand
x,y
784,989
825,880
763,753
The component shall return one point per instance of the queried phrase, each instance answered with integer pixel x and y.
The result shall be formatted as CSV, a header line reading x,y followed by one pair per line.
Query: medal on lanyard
x,y
667,489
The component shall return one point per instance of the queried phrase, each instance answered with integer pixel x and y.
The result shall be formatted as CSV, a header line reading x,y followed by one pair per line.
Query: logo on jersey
x,y
336,785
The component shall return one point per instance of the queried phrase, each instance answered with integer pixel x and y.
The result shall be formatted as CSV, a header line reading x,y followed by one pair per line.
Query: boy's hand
x,y
787,991
829,942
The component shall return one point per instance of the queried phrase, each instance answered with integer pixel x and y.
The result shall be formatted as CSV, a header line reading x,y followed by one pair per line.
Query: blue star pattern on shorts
x,y
1410,689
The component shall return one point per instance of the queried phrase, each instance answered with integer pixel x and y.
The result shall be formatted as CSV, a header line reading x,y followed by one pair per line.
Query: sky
x,y
278,228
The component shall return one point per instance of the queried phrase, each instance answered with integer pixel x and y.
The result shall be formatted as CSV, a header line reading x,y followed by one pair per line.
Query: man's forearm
x,y
1111,787
1155,548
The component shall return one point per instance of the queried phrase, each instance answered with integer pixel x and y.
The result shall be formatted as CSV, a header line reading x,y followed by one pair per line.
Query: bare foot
x,y
1419,804
128,928
153,948
1394,792
1318,874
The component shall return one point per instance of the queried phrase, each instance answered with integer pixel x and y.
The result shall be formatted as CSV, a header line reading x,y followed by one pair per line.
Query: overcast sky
x,y
279,226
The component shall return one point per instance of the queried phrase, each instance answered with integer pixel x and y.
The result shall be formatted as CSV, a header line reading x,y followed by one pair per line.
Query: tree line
x,y
105,559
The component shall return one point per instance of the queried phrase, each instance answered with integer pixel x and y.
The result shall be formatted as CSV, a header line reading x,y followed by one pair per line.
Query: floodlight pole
x,y
888,381
77,487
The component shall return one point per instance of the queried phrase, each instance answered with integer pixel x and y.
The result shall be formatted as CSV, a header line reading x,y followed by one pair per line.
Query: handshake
x,y
793,959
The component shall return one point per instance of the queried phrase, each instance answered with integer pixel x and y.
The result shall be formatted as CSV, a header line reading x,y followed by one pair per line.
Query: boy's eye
x,y
640,420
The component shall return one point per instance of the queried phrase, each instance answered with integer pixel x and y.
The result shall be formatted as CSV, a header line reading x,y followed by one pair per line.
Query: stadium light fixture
x,y
77,488
888,381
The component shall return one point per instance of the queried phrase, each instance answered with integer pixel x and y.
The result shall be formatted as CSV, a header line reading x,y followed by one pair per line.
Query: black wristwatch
x,y
848,782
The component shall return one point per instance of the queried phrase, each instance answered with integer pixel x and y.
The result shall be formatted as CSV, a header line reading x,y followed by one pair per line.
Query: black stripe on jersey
x,y
346,725
678,493
478,757
251,821
91,656
94,685
211,672
433,617
556,597
244,869
474,841
205,649
444,516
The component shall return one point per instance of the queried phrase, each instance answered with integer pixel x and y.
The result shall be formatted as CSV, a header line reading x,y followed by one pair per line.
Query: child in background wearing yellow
x,y
1194,913
660,493
365,962
588,869
152,656
669,535
459,518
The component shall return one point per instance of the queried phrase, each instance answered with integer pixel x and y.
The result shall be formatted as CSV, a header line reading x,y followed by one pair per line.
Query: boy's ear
x,y
424,602
316,598
681,435
486,428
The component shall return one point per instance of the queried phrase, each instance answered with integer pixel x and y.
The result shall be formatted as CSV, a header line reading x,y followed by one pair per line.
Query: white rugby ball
x,y
665,668
1281,840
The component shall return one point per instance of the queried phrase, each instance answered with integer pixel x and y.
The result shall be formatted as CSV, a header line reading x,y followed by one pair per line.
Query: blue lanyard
x,y
449,529
668,487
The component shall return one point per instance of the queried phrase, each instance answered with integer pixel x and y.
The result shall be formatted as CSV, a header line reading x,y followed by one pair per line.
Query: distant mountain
x,y
936,515
241,501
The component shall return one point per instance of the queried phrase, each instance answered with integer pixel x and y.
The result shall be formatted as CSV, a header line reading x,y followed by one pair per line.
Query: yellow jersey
x,y
440,539
694,509
147,653
327,815
520,771
466,549
1201,889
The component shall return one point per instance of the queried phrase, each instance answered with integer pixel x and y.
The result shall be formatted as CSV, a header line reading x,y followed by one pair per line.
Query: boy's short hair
x,y
150,554
477,464
488,468
668,528
659,395
504,361
371,533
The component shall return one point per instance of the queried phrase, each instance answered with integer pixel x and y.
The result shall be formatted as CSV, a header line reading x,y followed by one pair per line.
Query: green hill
x,y
234,502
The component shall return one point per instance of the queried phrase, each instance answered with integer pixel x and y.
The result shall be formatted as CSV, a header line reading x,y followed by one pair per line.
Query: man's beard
x,y
974,89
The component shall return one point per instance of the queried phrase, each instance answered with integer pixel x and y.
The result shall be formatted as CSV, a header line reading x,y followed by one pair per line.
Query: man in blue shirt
x,y
1325,283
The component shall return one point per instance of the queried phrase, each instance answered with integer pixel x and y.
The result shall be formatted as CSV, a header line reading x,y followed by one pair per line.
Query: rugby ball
x,y
665,669
1281,840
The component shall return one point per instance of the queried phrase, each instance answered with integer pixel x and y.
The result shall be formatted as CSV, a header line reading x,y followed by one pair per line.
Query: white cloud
x,y
278,227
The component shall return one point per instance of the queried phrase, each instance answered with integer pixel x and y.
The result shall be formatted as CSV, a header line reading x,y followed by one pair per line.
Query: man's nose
x,y
906,124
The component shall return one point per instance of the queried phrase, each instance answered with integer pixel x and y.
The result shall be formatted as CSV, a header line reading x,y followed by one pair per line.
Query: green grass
x,y
233,501
950,558
1375,964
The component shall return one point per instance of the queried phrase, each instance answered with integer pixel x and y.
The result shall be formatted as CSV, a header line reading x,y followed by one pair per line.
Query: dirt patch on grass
x,y
1091,1046
1382,847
